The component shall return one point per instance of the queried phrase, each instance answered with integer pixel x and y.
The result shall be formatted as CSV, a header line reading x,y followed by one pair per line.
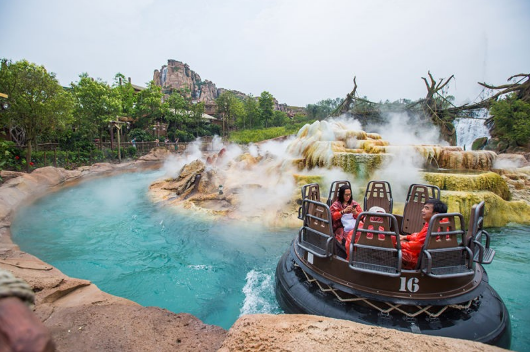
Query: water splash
x,y
258,287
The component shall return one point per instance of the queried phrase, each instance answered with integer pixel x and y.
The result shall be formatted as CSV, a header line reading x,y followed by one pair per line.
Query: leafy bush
x,y
131,151
140,135
184,136
512,120
9,155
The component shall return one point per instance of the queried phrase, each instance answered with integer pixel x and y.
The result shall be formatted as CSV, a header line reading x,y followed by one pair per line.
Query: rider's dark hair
x,y
342,190
437,206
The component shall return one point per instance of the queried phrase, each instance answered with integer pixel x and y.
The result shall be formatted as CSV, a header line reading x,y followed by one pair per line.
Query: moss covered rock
x,y
360,165
498,212
479,143
466,160
488,181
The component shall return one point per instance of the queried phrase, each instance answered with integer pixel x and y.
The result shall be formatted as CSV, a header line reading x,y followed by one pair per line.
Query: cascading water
x,y
163,76
469,129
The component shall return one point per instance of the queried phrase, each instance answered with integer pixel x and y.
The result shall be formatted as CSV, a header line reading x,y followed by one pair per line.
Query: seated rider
x,y
344,211
411,245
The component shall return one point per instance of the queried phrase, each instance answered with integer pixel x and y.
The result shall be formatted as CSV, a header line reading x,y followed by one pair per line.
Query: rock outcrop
x,y
178,76
312,333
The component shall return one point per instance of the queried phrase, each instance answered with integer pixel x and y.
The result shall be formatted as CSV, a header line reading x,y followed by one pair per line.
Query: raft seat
x,y
379,193
374,252
334,191
482,253
444,254
316,235
309,191
417,195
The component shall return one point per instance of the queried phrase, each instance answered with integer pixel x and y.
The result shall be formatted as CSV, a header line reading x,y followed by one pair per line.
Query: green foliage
x,y
231,110
140,135
511,117
279,118
96,104
323,108
125,93
131,152
250,119
7,155
257,135
266,107
37,102
149,107
183,136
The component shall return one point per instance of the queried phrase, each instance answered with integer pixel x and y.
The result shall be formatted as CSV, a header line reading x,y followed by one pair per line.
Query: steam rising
x,y
264,175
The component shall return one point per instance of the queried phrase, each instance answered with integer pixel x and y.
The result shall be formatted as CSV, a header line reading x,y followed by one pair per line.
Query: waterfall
x,y
469,129
163,76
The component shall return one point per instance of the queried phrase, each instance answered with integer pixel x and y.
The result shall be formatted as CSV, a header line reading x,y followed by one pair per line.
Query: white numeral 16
x,y
410,285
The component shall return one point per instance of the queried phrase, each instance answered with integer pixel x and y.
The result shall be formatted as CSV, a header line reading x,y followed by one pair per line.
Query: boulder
x,y
295,332
488,181
479,143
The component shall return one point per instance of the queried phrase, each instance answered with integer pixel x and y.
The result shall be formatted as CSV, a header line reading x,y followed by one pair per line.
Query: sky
x,y
300,51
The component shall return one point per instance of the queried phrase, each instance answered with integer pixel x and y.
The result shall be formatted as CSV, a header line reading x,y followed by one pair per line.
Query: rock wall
x,y
178,76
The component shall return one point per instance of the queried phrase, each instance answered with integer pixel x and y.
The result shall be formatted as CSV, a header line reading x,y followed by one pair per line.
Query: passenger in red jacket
x,y
344,206
411,245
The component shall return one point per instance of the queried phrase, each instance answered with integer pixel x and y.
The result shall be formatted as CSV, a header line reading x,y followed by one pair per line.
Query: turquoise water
x,y
509,274
107,231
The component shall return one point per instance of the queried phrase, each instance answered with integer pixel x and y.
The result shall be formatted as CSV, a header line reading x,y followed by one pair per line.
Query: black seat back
x,y
379,193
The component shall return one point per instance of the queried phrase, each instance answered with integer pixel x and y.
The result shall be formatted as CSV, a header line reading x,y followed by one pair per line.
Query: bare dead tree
x,y
522,87
349,101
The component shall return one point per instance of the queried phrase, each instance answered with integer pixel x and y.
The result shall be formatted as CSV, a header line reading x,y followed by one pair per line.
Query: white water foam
x,y
467,130
259,286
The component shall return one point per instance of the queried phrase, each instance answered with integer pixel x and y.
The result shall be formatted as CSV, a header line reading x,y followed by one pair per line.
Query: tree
x,y
250,116
230,108
125,93
266,107
279,118
196,120
96,104
178,115
512,120
323,108
37,102
149,106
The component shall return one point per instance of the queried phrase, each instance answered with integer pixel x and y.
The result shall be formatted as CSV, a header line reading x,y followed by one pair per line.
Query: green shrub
x,y
131,152
258,135
512,120
184,136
